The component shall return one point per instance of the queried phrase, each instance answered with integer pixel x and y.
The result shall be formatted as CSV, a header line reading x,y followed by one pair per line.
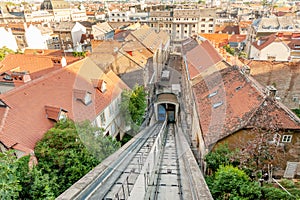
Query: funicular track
x,y
168,183
117,181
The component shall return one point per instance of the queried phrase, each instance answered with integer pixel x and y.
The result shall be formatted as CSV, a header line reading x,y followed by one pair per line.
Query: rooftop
x,y
222,112
56,89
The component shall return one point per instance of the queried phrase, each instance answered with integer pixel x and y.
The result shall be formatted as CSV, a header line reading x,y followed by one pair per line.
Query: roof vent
x,y
259,42
271,91
238,88
63,62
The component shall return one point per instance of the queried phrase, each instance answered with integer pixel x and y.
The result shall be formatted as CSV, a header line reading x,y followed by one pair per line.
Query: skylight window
x,y
216,105
212,94
238,88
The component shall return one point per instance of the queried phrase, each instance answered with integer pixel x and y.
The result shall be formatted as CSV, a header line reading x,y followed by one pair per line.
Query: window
x,y
295,98
111,109
297,46
212,94
210,25
275,140
216,105
102,118
202,25
287,138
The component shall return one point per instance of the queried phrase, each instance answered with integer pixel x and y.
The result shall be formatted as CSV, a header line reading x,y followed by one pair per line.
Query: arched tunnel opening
x,y
166,107
167,111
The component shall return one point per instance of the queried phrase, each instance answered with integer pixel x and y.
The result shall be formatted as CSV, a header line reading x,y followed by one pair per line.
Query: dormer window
x,y
2,104
297,46
100,85
82,95
55,113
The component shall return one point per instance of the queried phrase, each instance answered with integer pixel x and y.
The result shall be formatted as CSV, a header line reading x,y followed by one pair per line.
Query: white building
x,y
9,41
269,48
77,32
118,16
39,16
34,38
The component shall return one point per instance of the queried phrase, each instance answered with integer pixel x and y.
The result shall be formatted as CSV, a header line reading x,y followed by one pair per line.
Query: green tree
x,y
297,112
233,183
9,183
270,193
4,51
64,154
79,54
42,185
98,145
221,156
133,106
229,50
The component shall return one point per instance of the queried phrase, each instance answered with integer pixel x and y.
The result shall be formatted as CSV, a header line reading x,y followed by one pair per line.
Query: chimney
x,y
259,42
246,69
271,91
63,62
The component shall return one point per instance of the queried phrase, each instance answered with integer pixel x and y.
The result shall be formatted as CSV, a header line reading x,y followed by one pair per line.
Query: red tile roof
x,y
201,58
230,29
220,39
25,121
237,38
264,41
227,101
29,63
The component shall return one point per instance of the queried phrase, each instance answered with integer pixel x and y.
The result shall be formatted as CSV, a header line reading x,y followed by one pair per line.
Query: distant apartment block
x,y
184,22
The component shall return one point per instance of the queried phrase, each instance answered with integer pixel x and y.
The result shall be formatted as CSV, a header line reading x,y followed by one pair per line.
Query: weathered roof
x,y
227,101
264,41
26,104
201,58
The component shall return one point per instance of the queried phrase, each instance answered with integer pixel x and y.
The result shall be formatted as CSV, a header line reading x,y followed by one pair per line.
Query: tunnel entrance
x,y
167,111
166,107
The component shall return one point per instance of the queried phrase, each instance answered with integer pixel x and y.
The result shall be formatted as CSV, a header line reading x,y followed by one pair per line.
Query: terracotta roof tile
x,y
201,58
227,101
219,39
30,63
264,41
27,103
237,38
230,29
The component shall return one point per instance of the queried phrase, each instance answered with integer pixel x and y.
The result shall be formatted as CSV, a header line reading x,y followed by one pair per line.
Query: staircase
x,y
290,169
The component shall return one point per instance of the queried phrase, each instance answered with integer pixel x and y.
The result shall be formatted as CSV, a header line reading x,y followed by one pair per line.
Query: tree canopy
x,y
66,153
233,183
133,106
4,51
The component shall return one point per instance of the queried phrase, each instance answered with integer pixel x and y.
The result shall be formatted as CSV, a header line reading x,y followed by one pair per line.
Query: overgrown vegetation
x,y
297,112
79,54
66,153
4,51
133,106
230,178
